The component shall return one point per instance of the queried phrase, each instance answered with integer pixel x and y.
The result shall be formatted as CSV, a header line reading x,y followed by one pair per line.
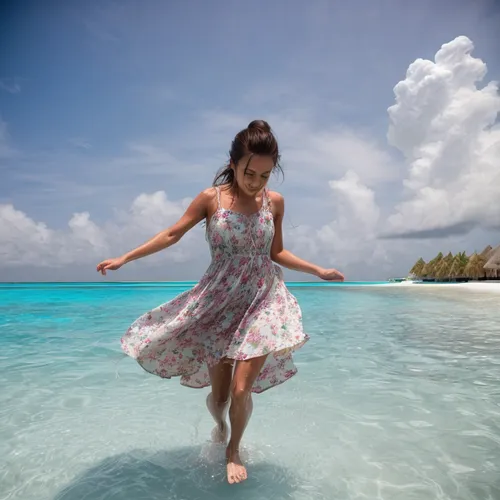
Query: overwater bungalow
x,y
459,267
492,265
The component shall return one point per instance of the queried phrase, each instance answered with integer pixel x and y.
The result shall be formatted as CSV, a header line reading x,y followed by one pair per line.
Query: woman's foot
x,y
236,471
220,433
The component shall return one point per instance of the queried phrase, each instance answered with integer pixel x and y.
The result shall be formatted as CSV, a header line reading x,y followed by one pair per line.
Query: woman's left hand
x,y
331,275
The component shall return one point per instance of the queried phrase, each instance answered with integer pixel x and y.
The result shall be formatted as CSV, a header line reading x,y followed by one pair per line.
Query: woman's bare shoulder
x,y
276,197
208,198
209,192
277,202
204,200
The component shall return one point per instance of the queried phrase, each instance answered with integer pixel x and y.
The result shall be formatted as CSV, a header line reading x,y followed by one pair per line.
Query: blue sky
x,y
105,105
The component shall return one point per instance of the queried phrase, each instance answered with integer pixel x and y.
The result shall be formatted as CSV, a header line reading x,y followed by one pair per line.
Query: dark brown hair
x,y
256,139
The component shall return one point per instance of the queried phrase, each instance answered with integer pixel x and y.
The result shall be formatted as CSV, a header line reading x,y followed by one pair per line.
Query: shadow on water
x,y
189,473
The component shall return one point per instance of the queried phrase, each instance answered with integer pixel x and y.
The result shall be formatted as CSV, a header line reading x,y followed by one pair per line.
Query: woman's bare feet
x,y
236,471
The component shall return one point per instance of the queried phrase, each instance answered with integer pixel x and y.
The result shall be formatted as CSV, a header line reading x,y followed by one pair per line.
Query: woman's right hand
x,y
111,264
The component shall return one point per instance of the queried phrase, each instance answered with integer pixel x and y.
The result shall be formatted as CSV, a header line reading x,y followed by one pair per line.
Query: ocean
x,y
397,398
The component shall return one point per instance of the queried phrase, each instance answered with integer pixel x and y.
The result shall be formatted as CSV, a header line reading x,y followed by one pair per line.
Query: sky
x,y
115,115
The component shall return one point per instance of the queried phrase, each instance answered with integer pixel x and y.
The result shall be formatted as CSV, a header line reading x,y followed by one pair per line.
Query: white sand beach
x,y
474,286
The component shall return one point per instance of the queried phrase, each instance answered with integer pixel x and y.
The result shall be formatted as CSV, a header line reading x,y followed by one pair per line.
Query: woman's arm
x,y
195,213
288,259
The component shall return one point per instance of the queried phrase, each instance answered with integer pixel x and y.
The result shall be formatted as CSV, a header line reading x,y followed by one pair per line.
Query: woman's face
x,y
252,176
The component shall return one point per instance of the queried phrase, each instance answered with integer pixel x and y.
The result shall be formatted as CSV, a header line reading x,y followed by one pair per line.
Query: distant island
x,y
459,267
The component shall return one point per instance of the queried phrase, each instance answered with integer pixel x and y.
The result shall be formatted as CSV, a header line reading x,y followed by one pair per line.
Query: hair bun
x,y
260,125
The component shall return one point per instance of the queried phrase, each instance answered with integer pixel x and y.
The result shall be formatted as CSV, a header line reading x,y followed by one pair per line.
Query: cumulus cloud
x,y
333,152
350,239
351,234
24,241
444,123
347,241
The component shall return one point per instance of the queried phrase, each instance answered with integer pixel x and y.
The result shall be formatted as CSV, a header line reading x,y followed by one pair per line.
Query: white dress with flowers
x,y
240,309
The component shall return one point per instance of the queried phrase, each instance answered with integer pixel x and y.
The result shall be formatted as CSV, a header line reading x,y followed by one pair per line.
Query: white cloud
x,y
150,212
312,154
329,153
356,201
86,235
314,157
24,241
350,239
444,124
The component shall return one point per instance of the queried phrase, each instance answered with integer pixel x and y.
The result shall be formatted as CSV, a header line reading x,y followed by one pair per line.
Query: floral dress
x,y
240,309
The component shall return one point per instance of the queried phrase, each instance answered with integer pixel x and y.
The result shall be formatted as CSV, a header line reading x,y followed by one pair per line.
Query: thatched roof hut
x,y
487,252
492,266
456,269
441,270
484,265
417,268
475,267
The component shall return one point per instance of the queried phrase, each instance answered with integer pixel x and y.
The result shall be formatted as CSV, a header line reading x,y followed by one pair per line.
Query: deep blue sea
x,y
397,398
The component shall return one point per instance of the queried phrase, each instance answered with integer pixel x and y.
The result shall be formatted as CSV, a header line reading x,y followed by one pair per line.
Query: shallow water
x,y
397,397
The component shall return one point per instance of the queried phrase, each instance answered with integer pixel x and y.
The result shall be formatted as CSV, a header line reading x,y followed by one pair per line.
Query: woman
x,y
237,328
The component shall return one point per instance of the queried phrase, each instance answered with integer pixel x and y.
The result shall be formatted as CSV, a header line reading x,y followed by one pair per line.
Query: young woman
x,y
237,328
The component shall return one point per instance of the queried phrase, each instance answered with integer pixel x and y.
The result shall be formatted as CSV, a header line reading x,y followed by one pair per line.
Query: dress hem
x,y
253,391
284,350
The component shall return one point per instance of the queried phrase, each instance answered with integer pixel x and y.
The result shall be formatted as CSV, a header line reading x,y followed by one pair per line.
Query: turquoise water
x,y
397,397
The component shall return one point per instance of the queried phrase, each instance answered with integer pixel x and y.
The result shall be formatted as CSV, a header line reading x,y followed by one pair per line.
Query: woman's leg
x,y
240,411
218,400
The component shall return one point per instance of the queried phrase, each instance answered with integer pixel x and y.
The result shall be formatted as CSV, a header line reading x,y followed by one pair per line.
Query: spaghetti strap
x,y
266,202
217,190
